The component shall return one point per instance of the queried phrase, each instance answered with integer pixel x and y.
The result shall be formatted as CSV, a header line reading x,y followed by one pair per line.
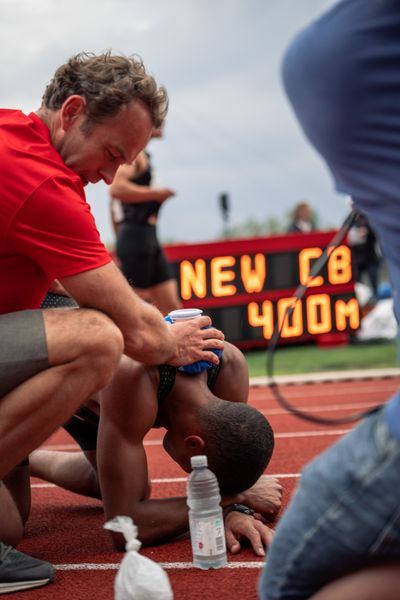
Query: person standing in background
x,y
302,219
365,251
135,205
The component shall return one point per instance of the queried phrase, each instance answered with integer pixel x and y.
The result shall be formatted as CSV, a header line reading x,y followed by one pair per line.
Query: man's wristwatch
x,y
238,508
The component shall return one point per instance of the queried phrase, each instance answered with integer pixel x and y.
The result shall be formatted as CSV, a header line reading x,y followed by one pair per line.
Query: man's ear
x,y
194,444
73,108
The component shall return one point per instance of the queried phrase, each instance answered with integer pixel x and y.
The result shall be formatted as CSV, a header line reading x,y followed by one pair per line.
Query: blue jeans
x,y
345,514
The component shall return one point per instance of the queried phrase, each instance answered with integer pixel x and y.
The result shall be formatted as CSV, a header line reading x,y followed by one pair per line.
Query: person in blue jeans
x,y
340,536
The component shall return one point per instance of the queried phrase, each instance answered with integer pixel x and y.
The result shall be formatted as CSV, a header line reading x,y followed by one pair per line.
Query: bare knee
x,y
85,337
102,347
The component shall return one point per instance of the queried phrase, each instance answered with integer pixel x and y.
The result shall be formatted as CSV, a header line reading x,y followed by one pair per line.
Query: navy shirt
x,y
342,77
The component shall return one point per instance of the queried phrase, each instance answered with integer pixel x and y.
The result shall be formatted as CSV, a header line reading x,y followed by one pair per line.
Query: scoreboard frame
x,y
245,285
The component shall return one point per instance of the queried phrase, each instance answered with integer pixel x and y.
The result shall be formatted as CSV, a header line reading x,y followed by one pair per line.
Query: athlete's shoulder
x,y
232,355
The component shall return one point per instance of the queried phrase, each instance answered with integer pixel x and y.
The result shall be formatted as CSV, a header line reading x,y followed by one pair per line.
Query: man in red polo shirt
x,y
97,113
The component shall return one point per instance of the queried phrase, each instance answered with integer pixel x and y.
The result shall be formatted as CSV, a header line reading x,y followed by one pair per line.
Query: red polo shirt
x,y
47,230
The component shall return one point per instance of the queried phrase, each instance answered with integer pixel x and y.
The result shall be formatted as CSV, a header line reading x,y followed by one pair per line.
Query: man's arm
x,y
124,485
147,337
128,410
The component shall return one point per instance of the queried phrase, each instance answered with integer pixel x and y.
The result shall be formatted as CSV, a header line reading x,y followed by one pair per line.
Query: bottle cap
x,y
200,460
185,313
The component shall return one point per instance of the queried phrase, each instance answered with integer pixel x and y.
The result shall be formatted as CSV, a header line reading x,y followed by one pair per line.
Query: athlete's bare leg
x,y
73,471
84,348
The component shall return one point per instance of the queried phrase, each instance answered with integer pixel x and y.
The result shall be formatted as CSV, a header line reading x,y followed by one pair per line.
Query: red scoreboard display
x,y
247,285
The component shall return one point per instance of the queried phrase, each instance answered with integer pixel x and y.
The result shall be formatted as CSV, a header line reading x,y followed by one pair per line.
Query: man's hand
x,y
239,526
162,194
193,340
265,496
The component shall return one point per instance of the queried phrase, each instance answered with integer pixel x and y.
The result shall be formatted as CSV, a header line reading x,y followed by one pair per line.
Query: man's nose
x,y
108,173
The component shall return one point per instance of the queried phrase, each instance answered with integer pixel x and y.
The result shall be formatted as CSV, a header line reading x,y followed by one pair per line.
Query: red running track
x,y
66,529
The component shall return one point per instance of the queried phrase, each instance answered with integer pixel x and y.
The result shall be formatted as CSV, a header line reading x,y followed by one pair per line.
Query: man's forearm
x,y
151,341
147,337
158,521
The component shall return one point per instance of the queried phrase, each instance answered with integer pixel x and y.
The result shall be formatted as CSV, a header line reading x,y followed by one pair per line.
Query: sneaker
x,y
19,571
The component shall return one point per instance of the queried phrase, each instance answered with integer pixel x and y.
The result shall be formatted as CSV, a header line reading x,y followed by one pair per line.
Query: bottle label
x,y
207,536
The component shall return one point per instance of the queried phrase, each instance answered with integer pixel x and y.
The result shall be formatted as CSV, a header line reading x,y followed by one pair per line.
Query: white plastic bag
x,y
138,578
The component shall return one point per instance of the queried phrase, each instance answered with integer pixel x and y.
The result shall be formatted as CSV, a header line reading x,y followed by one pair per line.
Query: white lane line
x,y
329,376
303,434
174,480
321,408
60,447
255,564
289,434
284,435
331,391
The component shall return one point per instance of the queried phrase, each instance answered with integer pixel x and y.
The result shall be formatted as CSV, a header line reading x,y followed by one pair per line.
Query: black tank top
x,y
140,212
167,380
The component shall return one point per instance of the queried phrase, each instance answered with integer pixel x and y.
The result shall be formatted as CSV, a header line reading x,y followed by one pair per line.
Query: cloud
x,y
229,127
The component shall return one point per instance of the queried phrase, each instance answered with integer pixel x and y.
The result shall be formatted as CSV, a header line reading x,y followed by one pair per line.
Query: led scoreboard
x,y
246,285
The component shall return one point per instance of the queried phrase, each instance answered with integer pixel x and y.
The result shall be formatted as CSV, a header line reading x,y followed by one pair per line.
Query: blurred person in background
x,y
135,205
302,219
365,253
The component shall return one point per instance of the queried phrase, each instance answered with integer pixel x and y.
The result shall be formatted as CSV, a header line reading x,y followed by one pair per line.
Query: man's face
x,y
96,155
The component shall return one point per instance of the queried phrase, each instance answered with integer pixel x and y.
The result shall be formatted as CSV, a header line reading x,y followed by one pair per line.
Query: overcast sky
x,y
229,128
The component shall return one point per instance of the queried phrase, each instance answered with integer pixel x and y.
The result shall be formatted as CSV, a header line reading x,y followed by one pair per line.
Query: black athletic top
x,y
139,213
167,380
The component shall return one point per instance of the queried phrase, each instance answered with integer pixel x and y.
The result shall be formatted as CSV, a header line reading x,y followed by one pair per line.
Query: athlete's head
x,y
107,82
239,442
237,439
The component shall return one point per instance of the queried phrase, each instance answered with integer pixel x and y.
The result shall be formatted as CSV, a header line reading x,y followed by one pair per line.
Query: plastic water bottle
x,y
206,521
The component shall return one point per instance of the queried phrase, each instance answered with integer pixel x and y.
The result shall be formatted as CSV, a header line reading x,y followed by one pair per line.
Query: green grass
x,y
309,358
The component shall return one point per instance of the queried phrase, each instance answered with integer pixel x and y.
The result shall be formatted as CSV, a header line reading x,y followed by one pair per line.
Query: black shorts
x,y
23,348
56,301
83,427
143,261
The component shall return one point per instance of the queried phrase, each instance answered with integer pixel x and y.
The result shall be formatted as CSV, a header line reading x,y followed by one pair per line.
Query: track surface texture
x,y
66,529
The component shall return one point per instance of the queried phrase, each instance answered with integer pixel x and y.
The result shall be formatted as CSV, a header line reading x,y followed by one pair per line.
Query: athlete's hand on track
x,y
193,340
265,496
239,526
